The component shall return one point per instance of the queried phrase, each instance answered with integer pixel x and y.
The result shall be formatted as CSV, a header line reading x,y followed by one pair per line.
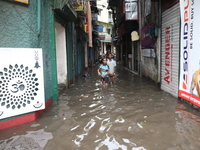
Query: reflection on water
x,y
133,114
79,138
188,126
111,143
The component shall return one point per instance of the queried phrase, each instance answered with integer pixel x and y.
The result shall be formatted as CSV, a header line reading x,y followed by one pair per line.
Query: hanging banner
x,y
189,85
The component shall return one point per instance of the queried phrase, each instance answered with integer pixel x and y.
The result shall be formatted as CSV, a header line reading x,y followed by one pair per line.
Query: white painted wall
x,y
61,53
103,15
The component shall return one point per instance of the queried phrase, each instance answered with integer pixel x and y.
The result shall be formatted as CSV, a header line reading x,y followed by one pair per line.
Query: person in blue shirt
x,y
104,72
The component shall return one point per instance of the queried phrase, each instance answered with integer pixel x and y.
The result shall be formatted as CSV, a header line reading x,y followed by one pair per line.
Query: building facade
x,y
105,24
54,31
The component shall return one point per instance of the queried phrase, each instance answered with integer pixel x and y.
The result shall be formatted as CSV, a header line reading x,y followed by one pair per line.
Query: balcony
x,y
78,5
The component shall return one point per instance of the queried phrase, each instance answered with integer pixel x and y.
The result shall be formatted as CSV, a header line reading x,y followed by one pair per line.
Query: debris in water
x,y
75,128
129,129
34,125
83,114
139,125
93,105
142,123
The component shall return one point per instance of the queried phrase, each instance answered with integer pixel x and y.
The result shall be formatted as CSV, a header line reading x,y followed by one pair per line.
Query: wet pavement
x,y
132,114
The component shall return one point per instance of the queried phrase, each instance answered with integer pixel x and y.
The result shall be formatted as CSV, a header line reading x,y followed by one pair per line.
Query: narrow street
x,y
132,114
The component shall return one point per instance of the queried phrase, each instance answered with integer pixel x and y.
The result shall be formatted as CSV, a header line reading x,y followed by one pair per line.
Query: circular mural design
x,y
18,86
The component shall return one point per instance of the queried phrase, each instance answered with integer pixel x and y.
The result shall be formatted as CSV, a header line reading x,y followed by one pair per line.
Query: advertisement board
x,y
189,85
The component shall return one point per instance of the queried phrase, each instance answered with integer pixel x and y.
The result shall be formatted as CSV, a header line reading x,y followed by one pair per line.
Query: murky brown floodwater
x,y
133,114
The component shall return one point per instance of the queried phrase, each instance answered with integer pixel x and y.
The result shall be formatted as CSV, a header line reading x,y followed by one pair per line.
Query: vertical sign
x,y
168,54
131,11
189,85
170,50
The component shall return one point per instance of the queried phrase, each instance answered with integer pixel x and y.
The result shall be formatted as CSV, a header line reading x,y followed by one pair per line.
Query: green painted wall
x,y
19,29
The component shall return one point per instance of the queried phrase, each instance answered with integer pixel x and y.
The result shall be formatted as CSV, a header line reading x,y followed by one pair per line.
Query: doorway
x,y
61,55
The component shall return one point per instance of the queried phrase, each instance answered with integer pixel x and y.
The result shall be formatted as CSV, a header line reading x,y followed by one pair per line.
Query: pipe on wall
x,y
39,17
140,2
160,34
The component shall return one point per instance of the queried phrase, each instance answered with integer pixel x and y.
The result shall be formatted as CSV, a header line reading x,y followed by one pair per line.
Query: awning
x,y
67,13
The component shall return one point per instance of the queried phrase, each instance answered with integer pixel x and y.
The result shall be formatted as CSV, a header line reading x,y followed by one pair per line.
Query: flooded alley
x,y
131,114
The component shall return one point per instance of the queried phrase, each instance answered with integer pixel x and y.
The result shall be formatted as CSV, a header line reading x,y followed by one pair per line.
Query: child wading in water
x,y
104,71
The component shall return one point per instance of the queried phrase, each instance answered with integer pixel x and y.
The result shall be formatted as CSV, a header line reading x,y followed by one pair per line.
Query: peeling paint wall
x,y
151,66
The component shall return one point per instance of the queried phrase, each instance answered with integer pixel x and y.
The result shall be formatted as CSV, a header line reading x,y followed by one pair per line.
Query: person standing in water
x,y
112,65
104,71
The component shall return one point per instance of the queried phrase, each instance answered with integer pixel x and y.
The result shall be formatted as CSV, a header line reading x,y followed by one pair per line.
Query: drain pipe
x,y
160,26
38,17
